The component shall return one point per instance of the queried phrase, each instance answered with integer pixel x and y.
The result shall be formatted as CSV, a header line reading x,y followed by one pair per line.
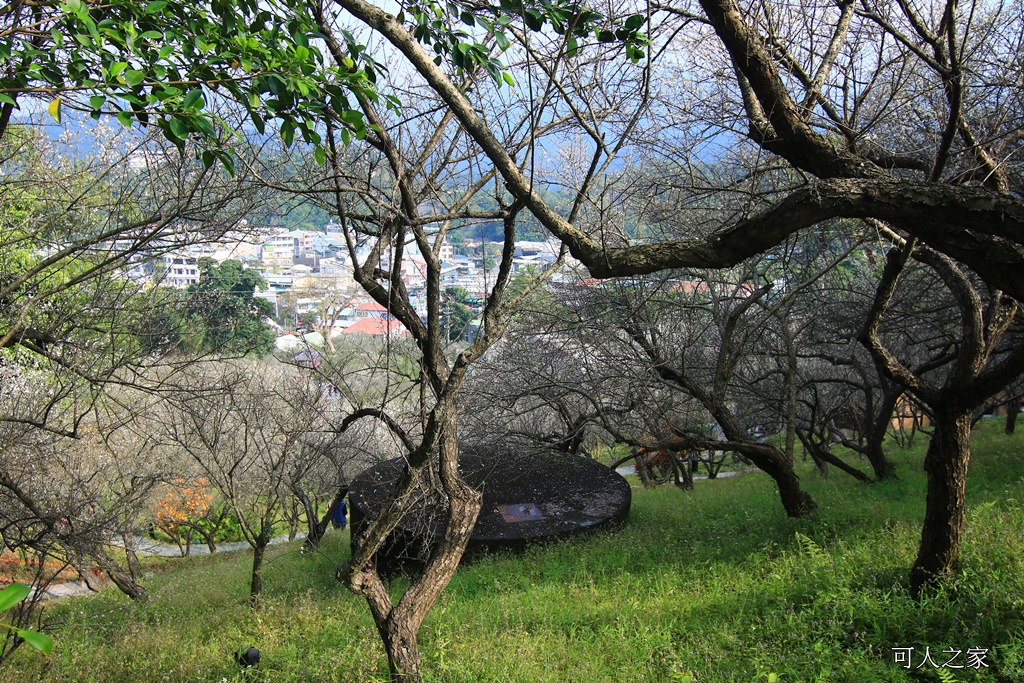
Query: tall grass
x,y
713,585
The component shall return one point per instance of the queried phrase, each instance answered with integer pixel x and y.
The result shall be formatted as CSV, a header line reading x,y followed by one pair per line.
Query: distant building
x,y
377,327
371,309
178,271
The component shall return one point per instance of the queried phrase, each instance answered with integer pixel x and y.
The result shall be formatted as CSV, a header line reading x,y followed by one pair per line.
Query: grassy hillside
x,y
714,585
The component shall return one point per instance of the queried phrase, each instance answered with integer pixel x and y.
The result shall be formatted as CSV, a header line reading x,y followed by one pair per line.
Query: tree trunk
x,y
293,519
946,467
121,578
404,624
124,582
134,568
772,461
796,501
1012,410
822,458
256,585
317,527
208,537
883,468
791,393
640,464
812,450
681,472
399,625
402,645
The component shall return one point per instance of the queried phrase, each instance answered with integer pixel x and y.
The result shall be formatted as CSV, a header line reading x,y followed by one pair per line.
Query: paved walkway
x,y
147,546
631,469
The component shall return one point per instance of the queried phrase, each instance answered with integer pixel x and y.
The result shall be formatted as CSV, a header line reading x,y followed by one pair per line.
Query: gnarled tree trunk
x,y
945,464
399,625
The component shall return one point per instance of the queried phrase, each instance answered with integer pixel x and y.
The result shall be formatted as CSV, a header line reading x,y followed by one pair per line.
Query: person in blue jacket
x,y
339,521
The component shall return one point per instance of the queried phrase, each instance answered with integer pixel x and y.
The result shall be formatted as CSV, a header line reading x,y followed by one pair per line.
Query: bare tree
x,y
246,426
978,363
78,500
902,114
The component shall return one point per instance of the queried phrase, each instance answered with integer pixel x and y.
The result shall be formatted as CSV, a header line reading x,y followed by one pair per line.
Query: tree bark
x,y
208,538
811,449
318,526
681,471
134,568
1012,410
399,626
796,501
946,467
771,460
883,468
791,390
121,578
256,584
822,458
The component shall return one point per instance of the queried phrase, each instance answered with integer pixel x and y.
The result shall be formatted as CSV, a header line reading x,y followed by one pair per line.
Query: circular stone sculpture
x,y
525,498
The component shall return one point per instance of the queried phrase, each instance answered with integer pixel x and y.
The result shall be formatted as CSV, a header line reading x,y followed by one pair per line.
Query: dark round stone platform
x,y
526,498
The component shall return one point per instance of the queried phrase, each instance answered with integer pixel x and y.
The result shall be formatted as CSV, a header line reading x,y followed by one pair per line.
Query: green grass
x,y
713,585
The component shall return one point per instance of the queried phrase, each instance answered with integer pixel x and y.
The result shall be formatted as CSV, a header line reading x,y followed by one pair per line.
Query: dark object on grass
x,y
248,657
527,498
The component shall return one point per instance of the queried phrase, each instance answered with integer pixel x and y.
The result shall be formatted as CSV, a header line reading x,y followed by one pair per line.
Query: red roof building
x,y
371,309
377,327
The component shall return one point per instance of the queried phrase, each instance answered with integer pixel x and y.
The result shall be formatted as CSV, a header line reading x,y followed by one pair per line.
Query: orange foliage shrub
x,y
181,502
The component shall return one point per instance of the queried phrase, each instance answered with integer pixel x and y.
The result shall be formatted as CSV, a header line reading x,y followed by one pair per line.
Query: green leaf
x,y
54,109
534,20
634,22
97,101
320,155
229,162
193,96
133,77
501,39
12,595
257,121
7,99
203,125
155,6
287,132
353,117
116,68
179,128
507,77
37,641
